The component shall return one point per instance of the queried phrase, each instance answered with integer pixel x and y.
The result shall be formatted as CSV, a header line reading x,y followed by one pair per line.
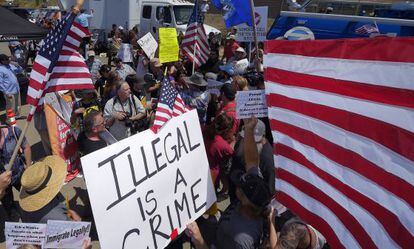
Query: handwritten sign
x,y
148,44
18,234
154,185
251,103
245,33
241,66
66,234
168,45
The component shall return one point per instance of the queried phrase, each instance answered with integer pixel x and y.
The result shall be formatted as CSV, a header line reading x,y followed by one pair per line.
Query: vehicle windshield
x,y
182,14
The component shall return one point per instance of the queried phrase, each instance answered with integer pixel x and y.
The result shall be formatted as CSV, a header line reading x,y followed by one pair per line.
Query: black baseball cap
x,y
253,187
228,91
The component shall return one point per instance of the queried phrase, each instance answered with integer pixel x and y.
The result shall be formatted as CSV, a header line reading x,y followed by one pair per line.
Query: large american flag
x,y
58,65
169,105
195,38
342,118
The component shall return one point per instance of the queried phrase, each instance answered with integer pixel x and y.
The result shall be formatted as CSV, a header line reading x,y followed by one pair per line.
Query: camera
x,y
135,125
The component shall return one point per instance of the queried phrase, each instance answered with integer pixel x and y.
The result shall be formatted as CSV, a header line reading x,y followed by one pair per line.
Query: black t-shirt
x,y
87,146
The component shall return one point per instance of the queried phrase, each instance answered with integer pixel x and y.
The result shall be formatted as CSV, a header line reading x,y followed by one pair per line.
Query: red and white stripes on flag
x,y
342,118
169,105
68,72
195,38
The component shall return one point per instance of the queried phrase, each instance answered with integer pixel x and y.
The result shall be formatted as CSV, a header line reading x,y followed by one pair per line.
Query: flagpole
x,y
75,10
194,52
256,44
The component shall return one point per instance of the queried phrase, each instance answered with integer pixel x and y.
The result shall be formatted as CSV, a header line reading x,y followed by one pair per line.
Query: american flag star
x,y
170,105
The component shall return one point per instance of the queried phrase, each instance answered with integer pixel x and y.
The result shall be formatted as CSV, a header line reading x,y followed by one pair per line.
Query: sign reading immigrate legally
x,y
145,189
66,234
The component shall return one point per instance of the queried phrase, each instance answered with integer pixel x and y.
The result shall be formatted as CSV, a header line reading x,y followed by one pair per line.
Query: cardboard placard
x,y
168,45
251,103
241,66
245,33
66,234
18,234
146,188
148,44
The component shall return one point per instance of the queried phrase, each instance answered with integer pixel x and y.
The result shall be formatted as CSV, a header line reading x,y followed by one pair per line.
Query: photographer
x,y
88,101
124,113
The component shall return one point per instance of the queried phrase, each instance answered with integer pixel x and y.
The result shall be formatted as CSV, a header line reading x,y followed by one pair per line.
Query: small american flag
x,y
58,65
170,105
195,43
367,29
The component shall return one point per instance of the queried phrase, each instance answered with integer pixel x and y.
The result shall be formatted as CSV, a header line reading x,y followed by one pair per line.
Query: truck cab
x,y
148,15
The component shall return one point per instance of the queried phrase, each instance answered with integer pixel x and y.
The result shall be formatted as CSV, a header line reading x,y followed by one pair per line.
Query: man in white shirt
x,y
121,110
204,8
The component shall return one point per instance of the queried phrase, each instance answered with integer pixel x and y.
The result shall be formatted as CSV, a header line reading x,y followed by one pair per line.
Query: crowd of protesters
x,y
239,152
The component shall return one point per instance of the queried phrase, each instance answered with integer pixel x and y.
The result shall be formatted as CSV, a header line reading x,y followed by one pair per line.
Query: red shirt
x,y
218,150
230,48
230,110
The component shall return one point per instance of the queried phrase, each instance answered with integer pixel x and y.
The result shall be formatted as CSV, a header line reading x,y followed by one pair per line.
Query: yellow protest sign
x,y
168,45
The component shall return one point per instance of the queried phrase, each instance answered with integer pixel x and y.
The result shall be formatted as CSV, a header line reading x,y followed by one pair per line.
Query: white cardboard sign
x,y
18,234
245,33
148,44
251,103
145,189
66,234
241,66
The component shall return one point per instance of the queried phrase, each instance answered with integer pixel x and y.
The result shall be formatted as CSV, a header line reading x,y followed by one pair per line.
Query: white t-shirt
x,y
125,53
204,7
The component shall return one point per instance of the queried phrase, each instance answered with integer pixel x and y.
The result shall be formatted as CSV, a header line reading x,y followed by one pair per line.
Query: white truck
x,y
149,15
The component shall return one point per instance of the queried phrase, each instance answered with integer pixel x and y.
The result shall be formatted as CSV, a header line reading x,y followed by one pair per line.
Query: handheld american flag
x,y
170,105
195,43
58,65
342,118
367,29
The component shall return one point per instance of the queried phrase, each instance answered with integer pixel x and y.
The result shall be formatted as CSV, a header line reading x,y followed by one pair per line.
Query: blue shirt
x,y
82,19
8,79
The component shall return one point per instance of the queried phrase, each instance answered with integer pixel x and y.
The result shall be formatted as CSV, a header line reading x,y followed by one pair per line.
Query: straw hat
x,y
41,182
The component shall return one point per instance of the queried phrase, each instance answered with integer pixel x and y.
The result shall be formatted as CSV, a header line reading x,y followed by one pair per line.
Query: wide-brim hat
x,y
41,182
196,79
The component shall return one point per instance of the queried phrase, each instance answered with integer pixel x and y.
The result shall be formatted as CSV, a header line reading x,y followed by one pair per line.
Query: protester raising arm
x,y
251,155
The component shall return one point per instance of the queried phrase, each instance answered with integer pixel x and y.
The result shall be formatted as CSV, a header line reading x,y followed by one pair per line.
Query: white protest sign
x,y
251,103
241,66
145,189
148,44
18,234
245,33
214,86
66,234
